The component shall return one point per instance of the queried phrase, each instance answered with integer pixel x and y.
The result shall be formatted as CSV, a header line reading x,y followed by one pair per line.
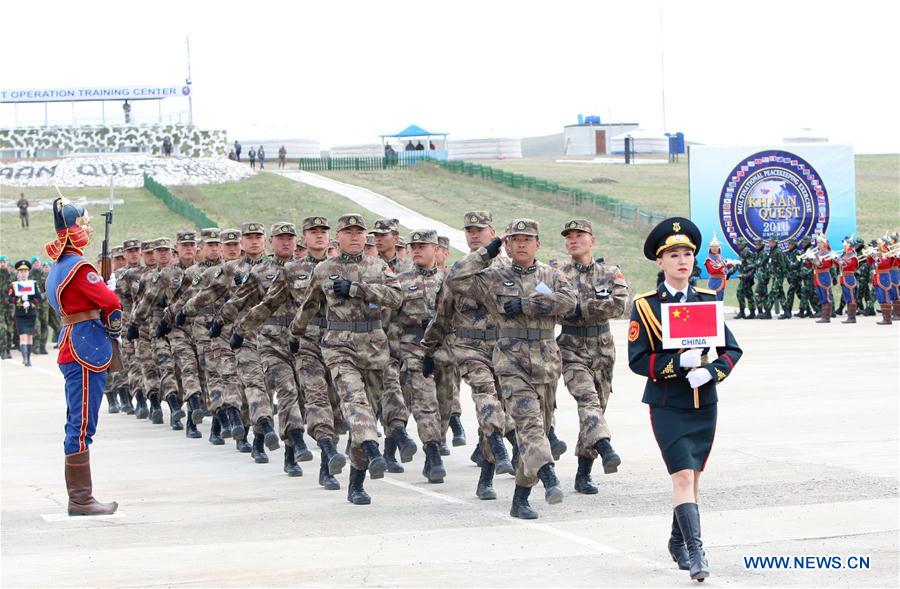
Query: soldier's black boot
x,y
258,451
195,408
215,432
459,434
175,407
786,314
476,456
334,460
404,443
224,424
485,489
268,432
869,312
125,401
140,406
434,465
300,450
689,522
583,482
552,493
326,479
112,403
236,422
355,492
377,465
520,507
840,309
290,465
557,446
677,548
241,444
752,314
511,438
390,456
156,412
741,314
608,456
190,430
443,449
501,458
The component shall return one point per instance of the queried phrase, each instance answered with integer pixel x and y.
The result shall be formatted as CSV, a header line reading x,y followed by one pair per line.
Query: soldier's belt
x,y
80,317
585,330
530,334
480,334
355,326
281,320
318,322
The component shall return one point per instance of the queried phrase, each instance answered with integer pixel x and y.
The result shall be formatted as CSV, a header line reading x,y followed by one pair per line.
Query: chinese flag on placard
x,y
696,320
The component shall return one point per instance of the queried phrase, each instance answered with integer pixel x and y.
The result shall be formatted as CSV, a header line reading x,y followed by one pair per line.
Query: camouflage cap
x,y
162,243
283,228
310,222
130,244
333,243
252,227
370,240
523,227
351,220
578,225
477,219
148,246
118,252
211,235
401,241
424,236
444,242
301,244
230,236
186,236
386,226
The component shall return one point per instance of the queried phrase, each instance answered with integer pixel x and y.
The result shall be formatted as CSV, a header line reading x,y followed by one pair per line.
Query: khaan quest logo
x,y
773,194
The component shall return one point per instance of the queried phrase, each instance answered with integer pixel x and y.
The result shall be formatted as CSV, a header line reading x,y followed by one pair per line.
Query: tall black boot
x,y
377,465
268,431
752,314
557,446
443,449
404,443
215,431
552,493
520,507
224,424
290,465
459,434
501,458
611,460
741,314
156,414
190,429
688,516
195,407
583,482
258,453
140,406
241,444
125,400
300,450
111,402
355,492
511,438
390,456
485,489
326,479
476,456
236,423
434,465
334,460
26,354
176,413
676,546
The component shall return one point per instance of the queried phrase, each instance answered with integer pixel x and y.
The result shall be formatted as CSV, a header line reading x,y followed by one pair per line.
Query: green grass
x,y
877,195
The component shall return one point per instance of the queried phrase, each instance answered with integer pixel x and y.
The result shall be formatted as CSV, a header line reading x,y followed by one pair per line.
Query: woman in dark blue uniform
x,y
684,430
24,295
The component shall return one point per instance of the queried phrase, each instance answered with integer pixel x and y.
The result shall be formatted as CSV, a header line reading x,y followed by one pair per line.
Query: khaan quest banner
x,y
786,192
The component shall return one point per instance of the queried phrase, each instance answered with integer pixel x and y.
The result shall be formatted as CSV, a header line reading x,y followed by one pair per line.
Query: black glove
x,y
294,345
493,248
428,366
132,333
215,329
236,340
162,328
239,278
426,322
342,288
574,314
180,318
513,307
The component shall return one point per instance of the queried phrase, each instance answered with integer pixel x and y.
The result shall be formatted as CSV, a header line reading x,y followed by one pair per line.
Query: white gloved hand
x,y
690,359
26,305
698,378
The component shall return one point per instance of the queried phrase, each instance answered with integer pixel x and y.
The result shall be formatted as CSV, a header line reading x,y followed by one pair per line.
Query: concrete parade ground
x,y
805,463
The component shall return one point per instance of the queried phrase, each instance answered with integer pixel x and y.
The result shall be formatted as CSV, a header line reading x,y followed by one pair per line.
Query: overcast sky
x,y
345,72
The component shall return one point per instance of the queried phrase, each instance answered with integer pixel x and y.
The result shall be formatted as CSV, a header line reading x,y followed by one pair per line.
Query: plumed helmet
x,y
71,221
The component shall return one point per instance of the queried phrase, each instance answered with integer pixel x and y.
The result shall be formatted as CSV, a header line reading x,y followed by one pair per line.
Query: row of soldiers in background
x,y
46,322
809,269
336,336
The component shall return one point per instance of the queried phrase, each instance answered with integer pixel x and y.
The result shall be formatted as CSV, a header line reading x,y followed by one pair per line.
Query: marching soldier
x,y
808,305
446,376
821,265
587,348
139,333
763,275
864,279
745,286
523,299
792,265
7,277
778,267
848,264
42,308
114,380
131,381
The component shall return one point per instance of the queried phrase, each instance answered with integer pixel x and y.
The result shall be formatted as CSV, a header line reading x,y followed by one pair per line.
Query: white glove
x,y
698,378
690,359
26,305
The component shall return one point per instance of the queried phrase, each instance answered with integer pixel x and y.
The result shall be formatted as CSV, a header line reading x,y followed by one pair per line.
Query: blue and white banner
x,y
784,192
94,93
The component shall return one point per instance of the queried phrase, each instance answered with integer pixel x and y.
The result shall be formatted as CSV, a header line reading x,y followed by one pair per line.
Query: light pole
x,y
188,82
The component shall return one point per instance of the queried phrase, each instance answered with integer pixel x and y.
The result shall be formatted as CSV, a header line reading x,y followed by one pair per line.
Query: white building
x,y
589,139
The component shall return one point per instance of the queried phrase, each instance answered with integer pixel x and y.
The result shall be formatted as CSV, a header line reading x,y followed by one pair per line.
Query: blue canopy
x,y
413,131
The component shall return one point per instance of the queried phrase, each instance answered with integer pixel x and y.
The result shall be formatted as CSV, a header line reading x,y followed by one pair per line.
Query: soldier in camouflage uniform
x,y
42,326
446,376
809,303
587,348
747,255
792,275
130,384
473,346
7,277
864,280
53,318
139,333
355,289
523,300
114,380
762,276
778,269
284,297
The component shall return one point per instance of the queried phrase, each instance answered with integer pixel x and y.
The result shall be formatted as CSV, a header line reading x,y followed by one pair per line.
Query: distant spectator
x,y
261,156
237,149
410,146
126,108
431,146
252,155
419,146
23,210
167,146
231,155
282,156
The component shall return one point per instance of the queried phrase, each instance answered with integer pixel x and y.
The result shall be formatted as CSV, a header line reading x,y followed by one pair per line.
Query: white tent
x,y
488,148
644,142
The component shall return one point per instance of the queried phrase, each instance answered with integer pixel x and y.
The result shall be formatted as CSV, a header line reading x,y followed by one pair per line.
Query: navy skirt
x,y
684,436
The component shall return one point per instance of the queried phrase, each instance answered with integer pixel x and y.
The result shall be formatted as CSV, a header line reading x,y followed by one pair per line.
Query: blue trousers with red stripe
x,y
84,393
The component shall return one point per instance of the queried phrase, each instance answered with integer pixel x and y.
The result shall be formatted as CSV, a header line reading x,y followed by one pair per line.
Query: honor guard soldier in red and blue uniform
x,y
683,421
821,265
895,274
849,263
91,316
882,262
718,269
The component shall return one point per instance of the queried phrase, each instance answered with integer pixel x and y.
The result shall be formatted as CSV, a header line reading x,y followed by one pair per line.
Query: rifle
x,y
115,364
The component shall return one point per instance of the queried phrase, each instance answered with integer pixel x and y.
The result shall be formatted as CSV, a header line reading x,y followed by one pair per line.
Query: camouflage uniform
x,y
526,357
778,264
143,348
809,302
745,287
42,325
864,281
446,380
131,384
792,274
763,275
7,276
